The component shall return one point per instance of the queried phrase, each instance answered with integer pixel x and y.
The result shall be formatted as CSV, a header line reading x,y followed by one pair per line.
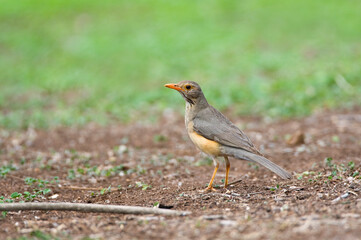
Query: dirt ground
x,y
156,164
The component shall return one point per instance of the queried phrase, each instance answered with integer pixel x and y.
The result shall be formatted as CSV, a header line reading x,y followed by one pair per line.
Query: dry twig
x,y
85,207
235,182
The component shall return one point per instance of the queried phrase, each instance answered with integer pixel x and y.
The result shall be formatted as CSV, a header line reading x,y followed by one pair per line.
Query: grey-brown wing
x,y
213,125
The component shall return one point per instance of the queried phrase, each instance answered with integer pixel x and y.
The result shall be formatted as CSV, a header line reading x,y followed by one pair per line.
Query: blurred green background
x,y
72,62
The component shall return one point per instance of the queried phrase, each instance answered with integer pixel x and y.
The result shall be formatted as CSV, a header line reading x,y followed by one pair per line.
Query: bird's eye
x,y
188,87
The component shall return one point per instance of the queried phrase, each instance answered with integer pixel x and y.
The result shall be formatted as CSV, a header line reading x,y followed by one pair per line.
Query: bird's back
x,y
213,125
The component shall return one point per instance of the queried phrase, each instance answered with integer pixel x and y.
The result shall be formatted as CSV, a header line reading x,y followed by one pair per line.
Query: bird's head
x,y
189,90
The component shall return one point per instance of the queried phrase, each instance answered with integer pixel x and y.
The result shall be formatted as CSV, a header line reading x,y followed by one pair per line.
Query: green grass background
x,y
72,62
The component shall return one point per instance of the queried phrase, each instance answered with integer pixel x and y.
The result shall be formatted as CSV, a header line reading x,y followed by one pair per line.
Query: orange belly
x,y
205,145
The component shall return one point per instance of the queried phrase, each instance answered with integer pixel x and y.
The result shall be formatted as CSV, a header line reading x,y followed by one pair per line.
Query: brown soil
x,y
160,165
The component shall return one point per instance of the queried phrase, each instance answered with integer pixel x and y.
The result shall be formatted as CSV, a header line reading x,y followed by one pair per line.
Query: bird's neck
x,y
199,104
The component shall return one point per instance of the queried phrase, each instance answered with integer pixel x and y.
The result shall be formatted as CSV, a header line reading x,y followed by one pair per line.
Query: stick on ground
x,y
85,207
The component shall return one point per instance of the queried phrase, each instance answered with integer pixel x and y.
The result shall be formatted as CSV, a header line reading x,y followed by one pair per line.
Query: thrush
x,y
215,135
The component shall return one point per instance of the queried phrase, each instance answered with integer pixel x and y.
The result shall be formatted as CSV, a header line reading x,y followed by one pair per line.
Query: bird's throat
x,y
188,100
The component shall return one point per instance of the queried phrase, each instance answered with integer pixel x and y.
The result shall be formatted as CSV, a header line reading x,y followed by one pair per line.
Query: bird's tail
x,y
244,155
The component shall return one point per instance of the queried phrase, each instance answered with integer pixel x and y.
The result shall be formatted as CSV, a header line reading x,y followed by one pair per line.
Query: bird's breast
x,y
207,146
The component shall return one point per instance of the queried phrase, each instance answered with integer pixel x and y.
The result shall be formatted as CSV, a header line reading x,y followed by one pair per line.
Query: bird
x,y
215,135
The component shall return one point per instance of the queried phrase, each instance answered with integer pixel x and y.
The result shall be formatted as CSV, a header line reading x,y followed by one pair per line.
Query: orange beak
x,y
173,86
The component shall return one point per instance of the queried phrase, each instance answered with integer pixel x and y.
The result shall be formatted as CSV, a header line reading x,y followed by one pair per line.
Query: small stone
x,y
121,150
297,138
54,196
228,223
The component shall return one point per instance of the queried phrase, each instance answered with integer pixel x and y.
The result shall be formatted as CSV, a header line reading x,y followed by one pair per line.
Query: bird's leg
x,y
216,166
228,165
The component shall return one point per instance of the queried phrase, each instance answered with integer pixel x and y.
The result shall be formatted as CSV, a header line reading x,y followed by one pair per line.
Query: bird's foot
x,y
209,189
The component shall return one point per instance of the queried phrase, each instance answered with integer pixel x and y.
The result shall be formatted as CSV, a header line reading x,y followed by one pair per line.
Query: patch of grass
x,y
40,189
340,171
40,183
4,170
104,171
333,171
72,62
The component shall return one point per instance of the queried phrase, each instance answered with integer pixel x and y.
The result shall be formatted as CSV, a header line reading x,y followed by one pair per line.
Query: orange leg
x,y
228,165
210,187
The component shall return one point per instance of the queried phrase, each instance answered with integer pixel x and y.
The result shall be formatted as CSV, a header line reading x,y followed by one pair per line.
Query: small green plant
x,y
37,234
16,195
71,174
7,200
143,185
4,170
306,173
328,162
141,170
351,165
113,171
253,165
106,190
29,196
335,139
159,138
275,188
